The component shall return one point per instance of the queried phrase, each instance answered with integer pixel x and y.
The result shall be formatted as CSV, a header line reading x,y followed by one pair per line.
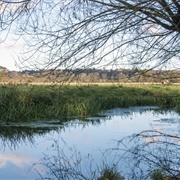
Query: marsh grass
x,y
35,102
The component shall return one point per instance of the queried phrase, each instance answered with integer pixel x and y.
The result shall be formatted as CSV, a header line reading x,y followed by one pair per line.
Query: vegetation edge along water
x,y
37,102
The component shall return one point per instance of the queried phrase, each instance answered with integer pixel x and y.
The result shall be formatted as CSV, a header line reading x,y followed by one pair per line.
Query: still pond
x,y
23,146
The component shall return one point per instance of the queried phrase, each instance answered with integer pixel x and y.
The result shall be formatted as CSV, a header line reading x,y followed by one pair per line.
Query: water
x,y
24,145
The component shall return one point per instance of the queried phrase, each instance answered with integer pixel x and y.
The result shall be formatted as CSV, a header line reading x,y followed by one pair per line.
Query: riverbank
x,y
38,102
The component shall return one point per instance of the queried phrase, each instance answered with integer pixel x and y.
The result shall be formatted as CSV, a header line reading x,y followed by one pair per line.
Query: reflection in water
x,y
17,159
136,157
24,144
12,135
149,151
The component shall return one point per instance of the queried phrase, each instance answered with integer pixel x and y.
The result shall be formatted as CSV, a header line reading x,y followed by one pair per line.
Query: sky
x,y
7,58
9,51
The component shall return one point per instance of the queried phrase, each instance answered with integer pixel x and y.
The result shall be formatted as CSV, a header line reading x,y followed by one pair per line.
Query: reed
x,y
30,103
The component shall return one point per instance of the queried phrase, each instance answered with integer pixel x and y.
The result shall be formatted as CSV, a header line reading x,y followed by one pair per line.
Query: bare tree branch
x,y
143,34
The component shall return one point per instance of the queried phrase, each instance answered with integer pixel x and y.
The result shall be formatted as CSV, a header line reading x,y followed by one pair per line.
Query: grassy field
x,y
37,102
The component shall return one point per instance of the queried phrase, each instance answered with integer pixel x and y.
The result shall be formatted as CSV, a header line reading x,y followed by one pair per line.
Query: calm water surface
x,y
22,145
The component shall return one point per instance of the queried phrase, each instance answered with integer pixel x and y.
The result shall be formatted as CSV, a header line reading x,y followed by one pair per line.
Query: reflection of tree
x,y
150,151
68,163
144,155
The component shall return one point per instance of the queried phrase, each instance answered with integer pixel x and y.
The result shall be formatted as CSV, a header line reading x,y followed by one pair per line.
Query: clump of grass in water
x,y
81,109
110,174
157,175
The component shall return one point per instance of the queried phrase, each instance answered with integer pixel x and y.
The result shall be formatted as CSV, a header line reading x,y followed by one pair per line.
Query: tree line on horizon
x,y
91,75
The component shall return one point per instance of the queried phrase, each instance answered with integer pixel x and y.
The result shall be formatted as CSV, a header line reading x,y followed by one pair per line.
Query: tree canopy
x,y
89,33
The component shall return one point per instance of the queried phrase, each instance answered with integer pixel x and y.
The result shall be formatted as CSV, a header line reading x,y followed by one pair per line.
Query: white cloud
x,y
17,159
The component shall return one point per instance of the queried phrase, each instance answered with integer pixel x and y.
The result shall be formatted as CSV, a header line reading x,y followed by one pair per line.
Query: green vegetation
x,y
157,175
35,102
110,173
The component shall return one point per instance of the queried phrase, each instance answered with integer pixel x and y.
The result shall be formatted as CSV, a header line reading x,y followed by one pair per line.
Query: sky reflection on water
x,y
18,156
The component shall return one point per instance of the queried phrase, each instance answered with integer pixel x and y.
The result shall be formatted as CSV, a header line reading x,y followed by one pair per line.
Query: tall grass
x,y
29,103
